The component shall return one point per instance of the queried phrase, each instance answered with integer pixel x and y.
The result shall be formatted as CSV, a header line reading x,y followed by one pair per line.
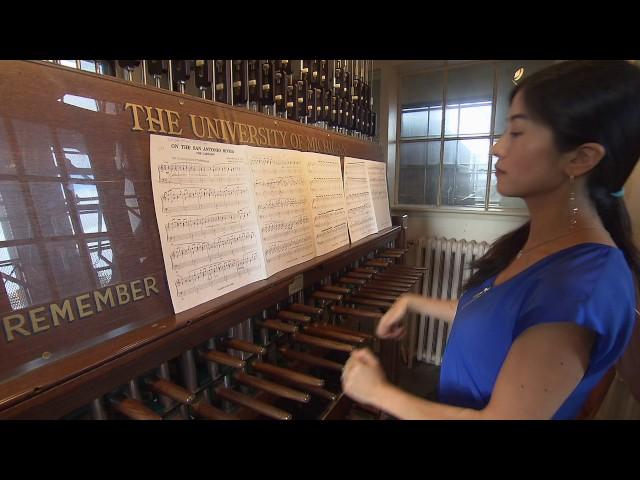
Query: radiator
x,y
447,261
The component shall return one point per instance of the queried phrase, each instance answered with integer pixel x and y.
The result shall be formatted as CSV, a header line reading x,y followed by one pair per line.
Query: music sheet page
x,y
328,210
360,213
206,218
283,208
377,174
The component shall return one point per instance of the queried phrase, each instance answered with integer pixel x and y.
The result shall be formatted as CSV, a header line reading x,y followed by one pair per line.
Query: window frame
x,y
487,208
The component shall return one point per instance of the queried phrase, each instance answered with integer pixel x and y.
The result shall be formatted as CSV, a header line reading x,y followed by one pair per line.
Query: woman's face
x,y
528,162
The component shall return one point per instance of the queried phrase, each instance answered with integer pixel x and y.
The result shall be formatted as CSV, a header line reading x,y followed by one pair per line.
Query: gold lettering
x,y
193,125
56,311
135,290
263,136
232,132
150,284
134,111
84,309
9,329
123,294
153,121
173,122
244,133
253,135
36,320
213,128
282,134
98,297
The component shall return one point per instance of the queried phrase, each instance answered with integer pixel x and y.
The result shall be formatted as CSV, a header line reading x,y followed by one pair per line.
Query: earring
x,y
573,210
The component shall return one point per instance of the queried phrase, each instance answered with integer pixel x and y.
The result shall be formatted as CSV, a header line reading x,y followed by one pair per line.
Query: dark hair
x,y
583,101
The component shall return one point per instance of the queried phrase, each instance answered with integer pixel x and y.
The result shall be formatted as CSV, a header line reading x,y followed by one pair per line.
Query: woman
x,y
551,306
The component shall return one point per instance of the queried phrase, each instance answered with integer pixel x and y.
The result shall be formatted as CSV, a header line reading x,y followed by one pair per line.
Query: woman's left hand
x,y
363,377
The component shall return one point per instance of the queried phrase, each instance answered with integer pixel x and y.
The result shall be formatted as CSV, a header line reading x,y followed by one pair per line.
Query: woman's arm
x,y
542,368
390,325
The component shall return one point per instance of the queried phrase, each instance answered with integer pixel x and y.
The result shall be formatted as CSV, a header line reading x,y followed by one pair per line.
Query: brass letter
x,y
56,311
151,121
98,297
83,309
135,291
136,120
244,133
213,129
9,329
150,284
36,320
193,125
173,122
122,292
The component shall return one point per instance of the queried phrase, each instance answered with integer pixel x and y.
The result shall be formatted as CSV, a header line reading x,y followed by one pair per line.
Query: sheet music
x,y
283,210
206,218
328,209
377,173
360,214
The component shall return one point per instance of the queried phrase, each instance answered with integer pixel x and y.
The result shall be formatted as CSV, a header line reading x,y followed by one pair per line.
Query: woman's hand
x,y
363,378
390,325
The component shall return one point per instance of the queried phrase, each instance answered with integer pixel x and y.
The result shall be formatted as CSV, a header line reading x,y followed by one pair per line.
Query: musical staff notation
x,y
191,254
194,226
180,199
223,271
191,173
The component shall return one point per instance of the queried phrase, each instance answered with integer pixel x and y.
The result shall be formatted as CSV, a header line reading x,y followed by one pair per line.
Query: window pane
x,y
419,171
415,123
469,99
435,121
464,179
506,70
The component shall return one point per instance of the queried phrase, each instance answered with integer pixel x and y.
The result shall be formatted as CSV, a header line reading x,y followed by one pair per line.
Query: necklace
x,y
522,252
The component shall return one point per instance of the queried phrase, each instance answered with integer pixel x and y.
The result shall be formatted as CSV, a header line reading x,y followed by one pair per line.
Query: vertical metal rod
x,y
170,73
144,72
97,410
134,391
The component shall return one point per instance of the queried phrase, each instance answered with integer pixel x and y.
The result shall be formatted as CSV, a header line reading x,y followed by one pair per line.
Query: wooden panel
x,y
77,217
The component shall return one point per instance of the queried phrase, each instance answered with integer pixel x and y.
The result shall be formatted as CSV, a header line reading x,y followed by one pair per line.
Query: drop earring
x,y
573,209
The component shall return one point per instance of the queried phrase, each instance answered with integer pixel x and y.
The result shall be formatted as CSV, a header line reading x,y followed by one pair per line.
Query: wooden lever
x,y
391,283
367,301
204,410
319,294
171,390
356,312
271,387
253,404
322,342
380,290
351,281
245,346
377,296
366,336
343,337
310,359
133,409
364,276
276,325
223,359
288,374
386,286
365,270
307,309
294,317
335,289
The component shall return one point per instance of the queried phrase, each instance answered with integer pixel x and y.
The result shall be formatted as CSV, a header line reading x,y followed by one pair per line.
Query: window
x,y
444,160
